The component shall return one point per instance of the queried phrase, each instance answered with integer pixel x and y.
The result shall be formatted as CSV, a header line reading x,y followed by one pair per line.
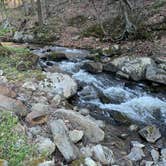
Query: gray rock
x,y
134,67
90,162
76,135
137,144
18,36
40,107
59,84
155,155
136,154
62,141
86,151
84,111
163,154
30,86
12,105
133,127
150,133
90,128
93,67
103,154
37,130
109,67
47,163
45,146
156,74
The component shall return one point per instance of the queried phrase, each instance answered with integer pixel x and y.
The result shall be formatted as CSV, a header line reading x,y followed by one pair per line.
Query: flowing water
x,y
133,99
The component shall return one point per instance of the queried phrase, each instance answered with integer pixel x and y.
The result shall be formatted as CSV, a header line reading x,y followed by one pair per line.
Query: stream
x,y
134,100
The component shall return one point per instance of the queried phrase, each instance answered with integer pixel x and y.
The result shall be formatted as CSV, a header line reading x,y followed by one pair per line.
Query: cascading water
x,y
135,102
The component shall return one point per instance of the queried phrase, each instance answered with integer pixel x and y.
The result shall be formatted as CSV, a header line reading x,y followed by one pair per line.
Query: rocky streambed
x,y
85,113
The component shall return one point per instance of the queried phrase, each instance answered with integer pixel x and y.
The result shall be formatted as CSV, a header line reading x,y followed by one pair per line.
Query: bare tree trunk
x,y
130,28
46,6
98,17
26,12
33,6
39,11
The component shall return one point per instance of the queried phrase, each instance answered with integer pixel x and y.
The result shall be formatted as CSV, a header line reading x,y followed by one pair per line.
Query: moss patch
x,y
14,146
10,60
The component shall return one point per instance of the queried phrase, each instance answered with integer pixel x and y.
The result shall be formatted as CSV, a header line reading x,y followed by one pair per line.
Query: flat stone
x,y
155,155
103,154
62,140
90,128
90,162
6,91
76,135
136,154
37,118
30,86
59,84
9,104
150,133
86,151
45,146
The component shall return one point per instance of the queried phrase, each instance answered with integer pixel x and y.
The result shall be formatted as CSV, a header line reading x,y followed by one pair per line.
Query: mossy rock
x,y
57,56
78,162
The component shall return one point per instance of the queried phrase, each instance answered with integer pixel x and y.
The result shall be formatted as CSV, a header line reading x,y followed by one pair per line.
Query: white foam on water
x,y
69,66
87,78
118,93
140,108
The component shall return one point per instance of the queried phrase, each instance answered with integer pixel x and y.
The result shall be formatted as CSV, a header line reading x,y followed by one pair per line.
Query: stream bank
x,y
60,105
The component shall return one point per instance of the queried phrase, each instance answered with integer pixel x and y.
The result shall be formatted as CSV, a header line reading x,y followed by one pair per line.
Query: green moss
x,y
4,32
14,146
78,162
16,55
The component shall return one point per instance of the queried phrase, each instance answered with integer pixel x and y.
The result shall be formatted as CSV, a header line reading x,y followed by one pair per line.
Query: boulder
x,y
9,104
110,68
59,84
90,162
136,154
156,74
7,91
93,67
90,128
30,86
76,135
155,155
103,155
62,140
55,56
37,117
150,133
135,67
45,146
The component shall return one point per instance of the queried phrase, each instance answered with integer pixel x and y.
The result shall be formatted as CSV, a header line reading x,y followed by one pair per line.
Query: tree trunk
x,y
39,11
